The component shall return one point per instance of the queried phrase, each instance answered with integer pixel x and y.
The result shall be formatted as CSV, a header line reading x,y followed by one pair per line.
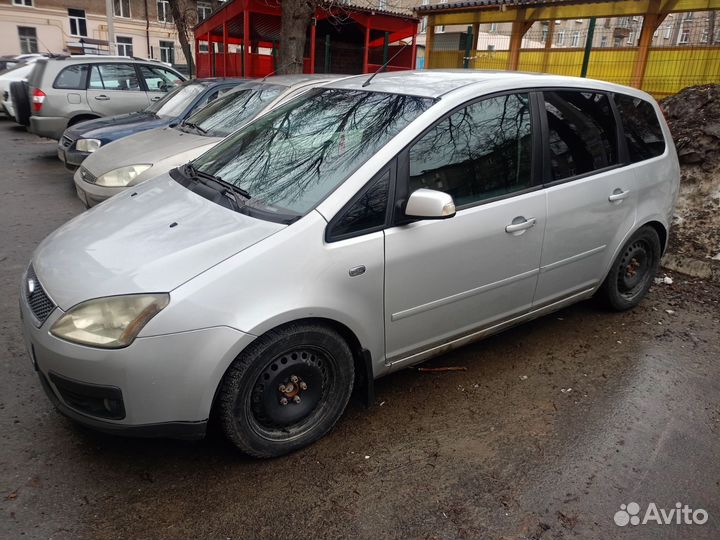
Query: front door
x,y
115,88
448,278
591,197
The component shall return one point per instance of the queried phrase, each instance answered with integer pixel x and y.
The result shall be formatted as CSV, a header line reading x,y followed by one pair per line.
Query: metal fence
x,y
685,49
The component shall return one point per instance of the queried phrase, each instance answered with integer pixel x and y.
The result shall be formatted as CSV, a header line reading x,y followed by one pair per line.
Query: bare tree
x,y
184,13
294,22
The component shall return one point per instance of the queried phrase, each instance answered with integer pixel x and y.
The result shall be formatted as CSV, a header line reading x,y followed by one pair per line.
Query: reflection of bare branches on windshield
x,y
311,145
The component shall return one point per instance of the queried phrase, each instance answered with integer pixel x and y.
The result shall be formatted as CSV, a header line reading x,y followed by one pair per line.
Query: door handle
x,y
517,225
618,195
102,97
156,98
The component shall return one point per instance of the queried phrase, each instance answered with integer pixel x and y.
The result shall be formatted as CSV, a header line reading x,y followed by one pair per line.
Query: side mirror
x,y
430,204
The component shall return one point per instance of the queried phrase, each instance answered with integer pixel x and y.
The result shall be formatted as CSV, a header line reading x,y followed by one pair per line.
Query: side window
x,y
113,77
643,134
582,132
480,152
72,78
367,212
159,79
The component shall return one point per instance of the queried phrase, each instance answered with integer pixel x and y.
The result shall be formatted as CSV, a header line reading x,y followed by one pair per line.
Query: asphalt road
x,y
553,426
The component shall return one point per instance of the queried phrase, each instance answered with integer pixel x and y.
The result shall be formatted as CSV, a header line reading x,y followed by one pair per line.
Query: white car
x,y
17,73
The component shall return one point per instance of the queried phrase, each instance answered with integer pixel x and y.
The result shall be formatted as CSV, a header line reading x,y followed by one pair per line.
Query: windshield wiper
x,y
194,126
215,182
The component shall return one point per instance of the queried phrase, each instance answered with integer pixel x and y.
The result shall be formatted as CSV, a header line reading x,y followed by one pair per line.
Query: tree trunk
x,y
184,17
296,16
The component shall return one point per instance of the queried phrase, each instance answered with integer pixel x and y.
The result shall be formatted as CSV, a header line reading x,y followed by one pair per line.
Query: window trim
x,y
403,157
547,172
121,15
390,167
21,3
77,19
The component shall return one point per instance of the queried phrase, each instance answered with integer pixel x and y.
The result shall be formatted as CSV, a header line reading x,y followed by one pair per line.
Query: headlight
x,y
111,322
88,145
121,177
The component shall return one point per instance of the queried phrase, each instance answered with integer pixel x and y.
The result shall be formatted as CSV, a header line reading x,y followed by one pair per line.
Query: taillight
x,y
38,98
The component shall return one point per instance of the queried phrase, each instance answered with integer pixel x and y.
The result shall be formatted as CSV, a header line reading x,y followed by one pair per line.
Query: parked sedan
x,y
82,139
354,231
137,158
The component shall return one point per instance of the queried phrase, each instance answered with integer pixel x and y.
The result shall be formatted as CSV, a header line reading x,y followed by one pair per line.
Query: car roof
x,y
434,83
300,78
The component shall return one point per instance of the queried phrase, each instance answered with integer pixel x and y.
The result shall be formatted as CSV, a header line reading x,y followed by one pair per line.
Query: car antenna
x,y
383,66
274,71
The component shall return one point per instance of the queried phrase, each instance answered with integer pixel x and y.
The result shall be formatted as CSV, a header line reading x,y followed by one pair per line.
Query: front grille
x,y
66,141
87,176
38,300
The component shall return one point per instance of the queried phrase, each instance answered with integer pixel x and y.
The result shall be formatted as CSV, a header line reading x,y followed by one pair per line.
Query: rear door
x,y
115,88
445,279
591,194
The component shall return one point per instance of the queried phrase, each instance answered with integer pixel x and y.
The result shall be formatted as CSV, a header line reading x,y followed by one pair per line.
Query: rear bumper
x,y
48,126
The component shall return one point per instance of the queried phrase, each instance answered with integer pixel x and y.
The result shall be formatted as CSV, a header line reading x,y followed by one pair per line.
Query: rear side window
x,y
113,77
72,78
643,134
480,152
582,134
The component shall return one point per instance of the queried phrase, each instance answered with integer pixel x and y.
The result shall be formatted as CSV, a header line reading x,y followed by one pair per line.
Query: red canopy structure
x,y
341,39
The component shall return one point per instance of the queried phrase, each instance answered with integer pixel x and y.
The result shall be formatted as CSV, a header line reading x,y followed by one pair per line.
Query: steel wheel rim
x,y
634,269
264,410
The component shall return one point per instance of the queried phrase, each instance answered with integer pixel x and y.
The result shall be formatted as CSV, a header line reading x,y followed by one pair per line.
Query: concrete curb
x,y
703,269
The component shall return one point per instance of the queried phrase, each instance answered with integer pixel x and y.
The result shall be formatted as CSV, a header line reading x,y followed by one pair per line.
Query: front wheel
x,y
632,272
286,390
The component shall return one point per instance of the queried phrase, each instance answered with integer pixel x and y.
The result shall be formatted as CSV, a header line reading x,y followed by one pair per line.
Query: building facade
x,y
143,28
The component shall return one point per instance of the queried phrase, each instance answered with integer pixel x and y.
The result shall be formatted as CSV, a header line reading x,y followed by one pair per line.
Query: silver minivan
x,y
359,229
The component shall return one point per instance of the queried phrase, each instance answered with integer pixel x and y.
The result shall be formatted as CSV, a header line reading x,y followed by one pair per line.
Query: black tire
x,y
250,407
632,272
20,101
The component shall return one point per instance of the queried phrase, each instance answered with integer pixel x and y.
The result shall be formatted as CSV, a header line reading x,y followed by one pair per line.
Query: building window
x,y
203,47
164,13
684,36
668,30
78,22
575,39
491,48
382,4
631,38
204,9
687,16
121,8
28,39
603,41
705,36
560,38
617,42
493,27
124,46
167,52
545,32
23,3
424,20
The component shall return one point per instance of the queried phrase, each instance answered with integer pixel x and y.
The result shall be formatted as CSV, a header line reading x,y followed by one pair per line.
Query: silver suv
x,y
67,90
353,231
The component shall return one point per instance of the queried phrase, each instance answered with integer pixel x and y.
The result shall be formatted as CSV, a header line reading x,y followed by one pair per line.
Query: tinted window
x,y
477,153
113,77
72,78
582,132
367,212
643,134
290,158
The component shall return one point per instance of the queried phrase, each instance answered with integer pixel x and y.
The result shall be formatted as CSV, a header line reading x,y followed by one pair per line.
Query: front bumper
x,y
48,126
165,384
91,194
69,155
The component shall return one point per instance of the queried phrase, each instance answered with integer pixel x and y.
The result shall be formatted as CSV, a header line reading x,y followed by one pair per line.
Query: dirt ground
x,y
553,426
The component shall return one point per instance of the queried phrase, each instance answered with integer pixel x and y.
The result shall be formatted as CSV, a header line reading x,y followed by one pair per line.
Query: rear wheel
x,y
286,390
632,271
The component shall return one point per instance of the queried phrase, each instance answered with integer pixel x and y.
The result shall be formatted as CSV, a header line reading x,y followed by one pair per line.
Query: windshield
x,y
226,114
176,101
292,157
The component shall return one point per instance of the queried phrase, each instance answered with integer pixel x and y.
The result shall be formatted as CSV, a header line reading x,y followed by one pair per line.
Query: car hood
x,y
153,241
116,127
147,147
